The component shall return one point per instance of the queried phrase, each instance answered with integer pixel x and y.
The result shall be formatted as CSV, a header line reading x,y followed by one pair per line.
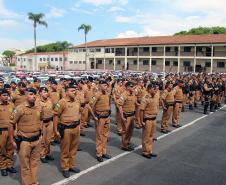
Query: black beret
x,y
80,81
22,84
3,91
103,82
1,80
71,85
13,82
62,79
129,84
7,86
31,90
54,82
37,80
150,86
43,89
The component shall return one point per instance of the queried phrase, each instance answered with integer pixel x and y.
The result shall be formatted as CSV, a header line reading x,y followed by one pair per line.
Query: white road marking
x,y
92,168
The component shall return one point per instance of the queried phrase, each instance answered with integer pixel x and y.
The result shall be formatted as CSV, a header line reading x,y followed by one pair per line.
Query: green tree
x,y
8,55
203,30
37,20
86,28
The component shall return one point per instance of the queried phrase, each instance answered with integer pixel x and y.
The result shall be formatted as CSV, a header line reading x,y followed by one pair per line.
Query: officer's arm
x,y
141,109
58,109
15,116
91,111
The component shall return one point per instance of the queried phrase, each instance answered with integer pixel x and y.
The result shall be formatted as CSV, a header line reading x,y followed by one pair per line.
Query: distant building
x,y
42,61
191,53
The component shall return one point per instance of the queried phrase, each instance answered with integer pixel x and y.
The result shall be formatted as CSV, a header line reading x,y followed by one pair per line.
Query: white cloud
x,y
129,33
24,44
8,23
55,12
98,2
116,9
6,13
124,19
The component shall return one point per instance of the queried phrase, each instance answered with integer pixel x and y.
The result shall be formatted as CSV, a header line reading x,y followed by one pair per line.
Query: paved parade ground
x,y
191,155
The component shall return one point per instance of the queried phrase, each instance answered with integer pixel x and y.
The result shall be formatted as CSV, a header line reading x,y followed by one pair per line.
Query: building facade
x,y
192,53
42,61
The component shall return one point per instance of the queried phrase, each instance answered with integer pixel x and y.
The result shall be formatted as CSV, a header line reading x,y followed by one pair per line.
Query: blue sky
x,y
109,19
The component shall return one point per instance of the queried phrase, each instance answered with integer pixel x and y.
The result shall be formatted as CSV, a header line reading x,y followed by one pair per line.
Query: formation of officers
x,y
32,117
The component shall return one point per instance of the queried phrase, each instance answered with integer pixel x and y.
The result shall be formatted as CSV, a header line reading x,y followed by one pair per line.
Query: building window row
x,y
52,59
77,62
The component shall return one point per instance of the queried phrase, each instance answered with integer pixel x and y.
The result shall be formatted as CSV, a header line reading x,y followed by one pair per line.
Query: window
x,y
75,62
40,59
60,59
154,49
175,63
44,59
71,62
135,62
187,63
167,63
110,62
187,49
208,64
80,50
47,59
98,50
24,59
168,49
107,50
119,62
112,50
92,50
56,59
51,59
80,62
65,59
153,62
76,50
145,62
220,64
84,50
18,59
84,62
24,66
146,49
99,62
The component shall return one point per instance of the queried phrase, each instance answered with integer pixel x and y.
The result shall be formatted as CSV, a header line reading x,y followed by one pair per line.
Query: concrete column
x,y
138,58
104,63
125,66
114,63
164,59
178,66
211,68
95,63
195,59
150,59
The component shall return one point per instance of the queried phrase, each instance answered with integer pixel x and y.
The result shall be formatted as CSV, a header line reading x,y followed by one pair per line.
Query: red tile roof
x,y
46,53
158,40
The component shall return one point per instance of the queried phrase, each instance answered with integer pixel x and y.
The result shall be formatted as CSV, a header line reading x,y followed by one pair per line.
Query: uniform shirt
x,y
101,103
18,98
118,91
68,111
5,113
149,105
127,101
140,93
46,106
27,119
168,97
178,93
54,96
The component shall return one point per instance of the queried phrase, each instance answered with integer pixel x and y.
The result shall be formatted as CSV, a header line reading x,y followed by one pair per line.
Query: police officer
x,y
47,126
6,148
148,114
27,119
207,92
19,97
1,83
127,103
102,108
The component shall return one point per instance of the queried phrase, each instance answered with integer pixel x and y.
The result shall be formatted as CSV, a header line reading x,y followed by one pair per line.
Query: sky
x,y
108,18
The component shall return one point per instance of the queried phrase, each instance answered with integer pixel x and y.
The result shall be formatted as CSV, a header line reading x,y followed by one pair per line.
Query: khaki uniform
x,y
84,110
168,98
69,115
178,105
18,98
28,122
117,92
54,96
101,106
47,126
128,102
149,105
6,148
141,92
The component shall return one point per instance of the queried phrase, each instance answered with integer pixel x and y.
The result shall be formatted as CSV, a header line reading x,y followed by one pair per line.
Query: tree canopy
x,y
52,47
203,30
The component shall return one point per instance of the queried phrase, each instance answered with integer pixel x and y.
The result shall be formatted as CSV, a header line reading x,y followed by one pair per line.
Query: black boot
x,y
182,110
211,107
190,107
195,104
206,108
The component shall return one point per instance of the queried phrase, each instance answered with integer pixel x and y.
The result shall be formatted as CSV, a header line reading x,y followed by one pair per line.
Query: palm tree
x,y
86,28
37,20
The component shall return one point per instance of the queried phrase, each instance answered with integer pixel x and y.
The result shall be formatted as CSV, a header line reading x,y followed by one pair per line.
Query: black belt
x,y
148,119
48,120
30,139
169,104
3,129
178,101
73,125
104,116
128,114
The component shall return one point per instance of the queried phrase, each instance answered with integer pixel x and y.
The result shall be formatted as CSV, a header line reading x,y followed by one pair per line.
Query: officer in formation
x,y
33,116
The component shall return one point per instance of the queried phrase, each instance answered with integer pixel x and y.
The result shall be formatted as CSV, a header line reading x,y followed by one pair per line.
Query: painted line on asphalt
x,y
92,168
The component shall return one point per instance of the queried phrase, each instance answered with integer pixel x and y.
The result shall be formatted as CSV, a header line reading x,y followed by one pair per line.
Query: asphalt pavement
x,y
192,155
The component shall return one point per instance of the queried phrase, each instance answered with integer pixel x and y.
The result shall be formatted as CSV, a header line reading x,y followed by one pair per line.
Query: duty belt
x,y
30,139
73,125
178,101
103,116
47,120
3,129
169,104
148,119
128,114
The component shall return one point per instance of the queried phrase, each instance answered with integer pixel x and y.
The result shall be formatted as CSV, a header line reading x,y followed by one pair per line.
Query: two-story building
x,y
42,61
190,53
